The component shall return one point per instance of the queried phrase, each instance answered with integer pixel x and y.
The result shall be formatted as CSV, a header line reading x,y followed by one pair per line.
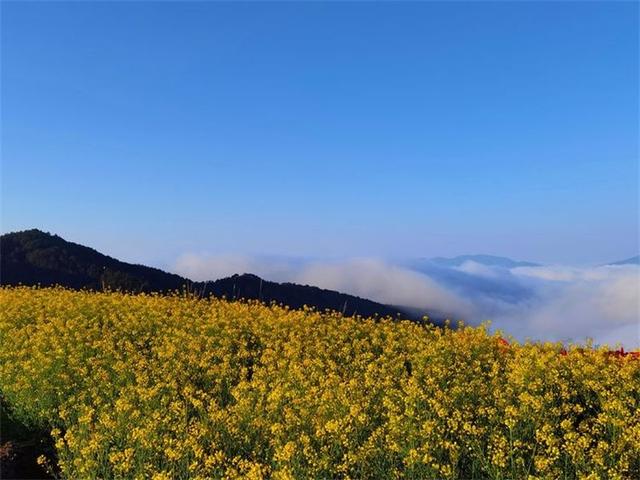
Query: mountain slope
x,y
33,257
629,261
293,295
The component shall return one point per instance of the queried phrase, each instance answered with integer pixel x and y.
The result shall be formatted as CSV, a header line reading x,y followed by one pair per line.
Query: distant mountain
x,y
33,257
629,261
489,260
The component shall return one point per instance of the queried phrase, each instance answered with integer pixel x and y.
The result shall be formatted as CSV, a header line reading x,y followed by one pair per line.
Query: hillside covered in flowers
x,y
163,387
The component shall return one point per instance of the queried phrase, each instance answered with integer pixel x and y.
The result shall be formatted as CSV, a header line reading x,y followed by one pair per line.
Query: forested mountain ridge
x,y
33,257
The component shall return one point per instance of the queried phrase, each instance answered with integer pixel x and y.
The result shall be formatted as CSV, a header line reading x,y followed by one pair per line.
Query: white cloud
x,y
479,269
200,268
543,303
577,303
385,283
212,267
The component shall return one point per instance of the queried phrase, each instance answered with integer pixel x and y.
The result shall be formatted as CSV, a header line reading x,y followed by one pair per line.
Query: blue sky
x,y
151,129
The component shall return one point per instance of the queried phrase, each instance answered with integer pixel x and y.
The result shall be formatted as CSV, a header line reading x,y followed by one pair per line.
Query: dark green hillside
x,y
33,257
295,296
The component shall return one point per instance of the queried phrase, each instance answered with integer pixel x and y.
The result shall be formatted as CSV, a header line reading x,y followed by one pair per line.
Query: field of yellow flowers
x,y
171,387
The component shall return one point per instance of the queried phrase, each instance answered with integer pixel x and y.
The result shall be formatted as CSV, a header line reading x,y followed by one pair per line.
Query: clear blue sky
x,y
151,129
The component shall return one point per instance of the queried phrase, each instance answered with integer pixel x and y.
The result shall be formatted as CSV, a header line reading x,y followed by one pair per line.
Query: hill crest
x,y
34,257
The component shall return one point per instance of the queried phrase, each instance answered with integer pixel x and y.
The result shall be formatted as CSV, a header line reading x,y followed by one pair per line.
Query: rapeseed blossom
x,y
165,387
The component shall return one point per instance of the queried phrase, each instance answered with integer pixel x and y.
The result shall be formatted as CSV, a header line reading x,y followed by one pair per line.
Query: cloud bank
x,y
557,303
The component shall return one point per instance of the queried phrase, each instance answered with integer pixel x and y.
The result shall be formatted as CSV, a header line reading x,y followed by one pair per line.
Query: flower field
x,y
171,387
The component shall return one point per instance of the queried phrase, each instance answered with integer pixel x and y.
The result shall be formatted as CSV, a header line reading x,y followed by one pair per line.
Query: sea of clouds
x,y
557,303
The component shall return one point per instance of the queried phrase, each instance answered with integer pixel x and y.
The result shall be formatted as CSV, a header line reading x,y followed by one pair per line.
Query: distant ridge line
x,y
33,257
